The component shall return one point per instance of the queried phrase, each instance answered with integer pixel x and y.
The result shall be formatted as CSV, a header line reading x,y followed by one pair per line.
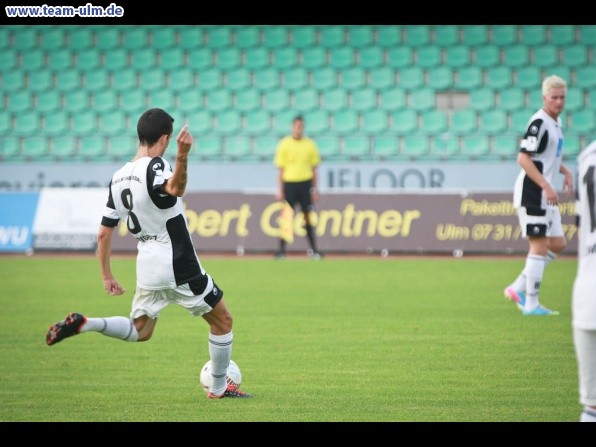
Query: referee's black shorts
x,y
299,192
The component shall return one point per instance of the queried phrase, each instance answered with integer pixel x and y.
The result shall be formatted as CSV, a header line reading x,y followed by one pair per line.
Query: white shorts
x,y
585,351
549,225
151,302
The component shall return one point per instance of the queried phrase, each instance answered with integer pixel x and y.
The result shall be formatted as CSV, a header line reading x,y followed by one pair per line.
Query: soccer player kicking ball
x,y
146,193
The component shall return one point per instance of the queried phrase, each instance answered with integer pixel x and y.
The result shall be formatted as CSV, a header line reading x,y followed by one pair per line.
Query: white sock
x,y
588,415
116,327
534,272
220,351
519,284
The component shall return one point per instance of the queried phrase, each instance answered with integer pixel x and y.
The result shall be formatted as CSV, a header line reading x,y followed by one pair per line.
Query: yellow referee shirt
x,y
297,158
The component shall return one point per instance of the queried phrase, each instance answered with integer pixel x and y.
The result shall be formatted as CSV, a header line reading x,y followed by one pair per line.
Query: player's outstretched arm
x,y
176,185
104,250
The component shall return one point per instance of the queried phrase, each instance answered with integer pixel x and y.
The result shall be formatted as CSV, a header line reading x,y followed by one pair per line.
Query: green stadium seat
x,y
65,147
19,101
284,58
257,122
512,98
32,60
463,121
135,37
499,77
572,145
417,35
375,121
59,60
304,37
529,77
35,147
585,77
582,121
519,119
385,146
152,79
414,146
162,98
92,147
248,100
269,78
132,101
334,99
545,56
371,57
482,98
10,148
13,80
209,79
108,38
404,121
116,59
219,36
356,147
25,38
294,79
87,59
265,146
561,35
341,57
124,80
171,59
411,77
83,123
163,38
516,56
345,121
434,121
275,37
381,78
190,37
475,146
113,122
587,34
314,58
247,37
332,36
329,146
400,57
363,99
79,37
533,35
95,80
48,101
306,100
392,99
71,79
237,147
256,58
143,59
559,70
5,37
76,101
122,147
227,58
575,99
8,58
54,123
487,56
353,78
440,78
444,146
227,122
475,35
324,78
505,145
26,123
457,56
282,121
218,100
200,59
276,100
5,122
180,80
493,121
504,35
238,79
360,36
191,100
422,99
428,56
469,78
574,55
209,147
200,121
389,36
446,35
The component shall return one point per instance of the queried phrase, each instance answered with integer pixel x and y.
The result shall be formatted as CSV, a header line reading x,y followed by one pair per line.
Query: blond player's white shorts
x,y
151,302
585,351
532,224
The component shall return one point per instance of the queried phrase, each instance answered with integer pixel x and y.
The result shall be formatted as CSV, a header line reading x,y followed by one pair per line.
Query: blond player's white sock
x,y
220,351
519,284
116,327
588,415
534,273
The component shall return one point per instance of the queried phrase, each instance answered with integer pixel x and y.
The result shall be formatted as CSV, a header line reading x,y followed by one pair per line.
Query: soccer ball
x,y
233,376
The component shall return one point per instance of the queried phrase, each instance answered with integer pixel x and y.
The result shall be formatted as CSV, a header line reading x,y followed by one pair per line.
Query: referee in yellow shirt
x,y
297,157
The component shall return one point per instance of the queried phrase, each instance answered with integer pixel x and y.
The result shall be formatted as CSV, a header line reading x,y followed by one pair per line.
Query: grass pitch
x,y
337,340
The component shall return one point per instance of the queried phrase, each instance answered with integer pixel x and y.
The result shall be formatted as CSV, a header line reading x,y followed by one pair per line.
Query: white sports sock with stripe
x,y
534,273
115,327
220,351
519,285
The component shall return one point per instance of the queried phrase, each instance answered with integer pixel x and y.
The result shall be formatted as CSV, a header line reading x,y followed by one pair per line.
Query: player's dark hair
x,y
298,118
152,125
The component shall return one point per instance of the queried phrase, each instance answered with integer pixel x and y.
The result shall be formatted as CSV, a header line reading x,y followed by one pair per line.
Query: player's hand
x,y
113,287
280,196
184,140
551,196
568,184
315,196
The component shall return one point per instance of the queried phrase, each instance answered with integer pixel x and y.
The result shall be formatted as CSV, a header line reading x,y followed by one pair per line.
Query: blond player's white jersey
x,y
166,256
584,287
543,140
